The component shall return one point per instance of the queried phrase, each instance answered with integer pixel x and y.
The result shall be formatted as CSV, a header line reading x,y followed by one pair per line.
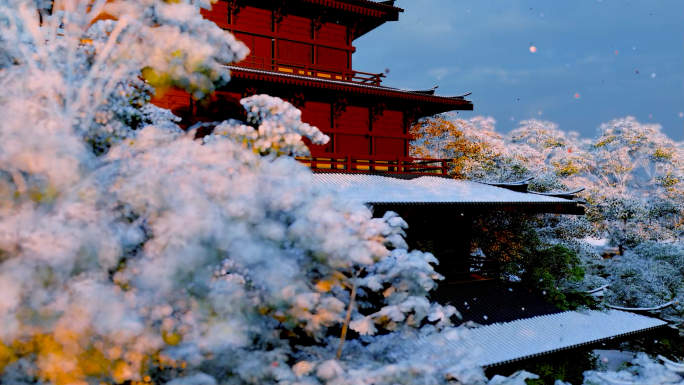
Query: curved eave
x,y
390,190
362,7
277,77
521,339
569,208
569,347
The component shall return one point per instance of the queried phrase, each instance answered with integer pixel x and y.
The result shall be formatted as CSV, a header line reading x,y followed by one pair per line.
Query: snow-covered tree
x,y
133,251
643,371
638,181
476,150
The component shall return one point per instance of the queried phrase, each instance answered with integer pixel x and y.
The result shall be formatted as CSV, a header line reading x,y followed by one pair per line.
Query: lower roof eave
x,y
594,342
435,191
570,208
501,343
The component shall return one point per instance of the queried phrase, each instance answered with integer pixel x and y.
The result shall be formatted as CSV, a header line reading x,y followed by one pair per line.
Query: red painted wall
x,y
295,40
333,33
296,25
319,114
256,19
259,46
294,52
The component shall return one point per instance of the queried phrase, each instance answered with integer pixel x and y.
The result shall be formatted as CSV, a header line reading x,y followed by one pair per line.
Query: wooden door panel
x,y
332,58
353,144
353,120
390,147
252,18
390,121
316,114
295,52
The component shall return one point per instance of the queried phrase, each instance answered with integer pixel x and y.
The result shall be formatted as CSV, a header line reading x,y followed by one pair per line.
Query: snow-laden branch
x,y
598,289
663,306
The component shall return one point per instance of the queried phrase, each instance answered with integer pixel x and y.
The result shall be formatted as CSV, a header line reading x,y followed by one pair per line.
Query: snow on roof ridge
x,y
369,188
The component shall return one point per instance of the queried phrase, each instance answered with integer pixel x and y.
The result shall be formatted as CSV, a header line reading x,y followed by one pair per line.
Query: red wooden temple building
x,y
302,51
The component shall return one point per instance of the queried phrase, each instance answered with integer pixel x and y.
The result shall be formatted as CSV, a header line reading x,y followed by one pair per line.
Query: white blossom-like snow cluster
x,y
133,251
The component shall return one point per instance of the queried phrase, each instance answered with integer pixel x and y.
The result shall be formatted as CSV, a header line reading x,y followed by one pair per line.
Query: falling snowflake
x,y
539,112
484,316
605,360
653,75
533,49
512,118
681,114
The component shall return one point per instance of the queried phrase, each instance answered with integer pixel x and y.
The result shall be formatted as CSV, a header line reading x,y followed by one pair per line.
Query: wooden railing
x,y
364,163
311,70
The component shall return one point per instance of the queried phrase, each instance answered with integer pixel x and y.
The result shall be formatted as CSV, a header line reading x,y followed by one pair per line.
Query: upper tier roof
x,y
457,102
368,7
382,4
375,13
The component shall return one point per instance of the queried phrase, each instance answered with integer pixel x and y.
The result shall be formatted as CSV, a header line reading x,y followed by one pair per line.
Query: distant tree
x,y
476,150
638,184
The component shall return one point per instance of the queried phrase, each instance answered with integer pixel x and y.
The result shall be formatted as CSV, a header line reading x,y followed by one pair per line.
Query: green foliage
x,y
512,239
670,345
568,368
546,270
507,237
565,366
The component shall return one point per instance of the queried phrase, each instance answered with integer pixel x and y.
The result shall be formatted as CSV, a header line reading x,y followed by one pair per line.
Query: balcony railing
x,y
365,163
311,70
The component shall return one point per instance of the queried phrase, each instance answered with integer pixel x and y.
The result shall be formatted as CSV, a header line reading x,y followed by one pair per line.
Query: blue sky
x,y
483,46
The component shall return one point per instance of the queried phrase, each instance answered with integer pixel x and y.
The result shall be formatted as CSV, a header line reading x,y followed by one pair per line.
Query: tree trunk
x,y
347,319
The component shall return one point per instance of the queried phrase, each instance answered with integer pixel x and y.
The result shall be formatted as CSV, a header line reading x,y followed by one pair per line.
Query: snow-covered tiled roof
x,y
367,188
512,341
341,82
494,299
